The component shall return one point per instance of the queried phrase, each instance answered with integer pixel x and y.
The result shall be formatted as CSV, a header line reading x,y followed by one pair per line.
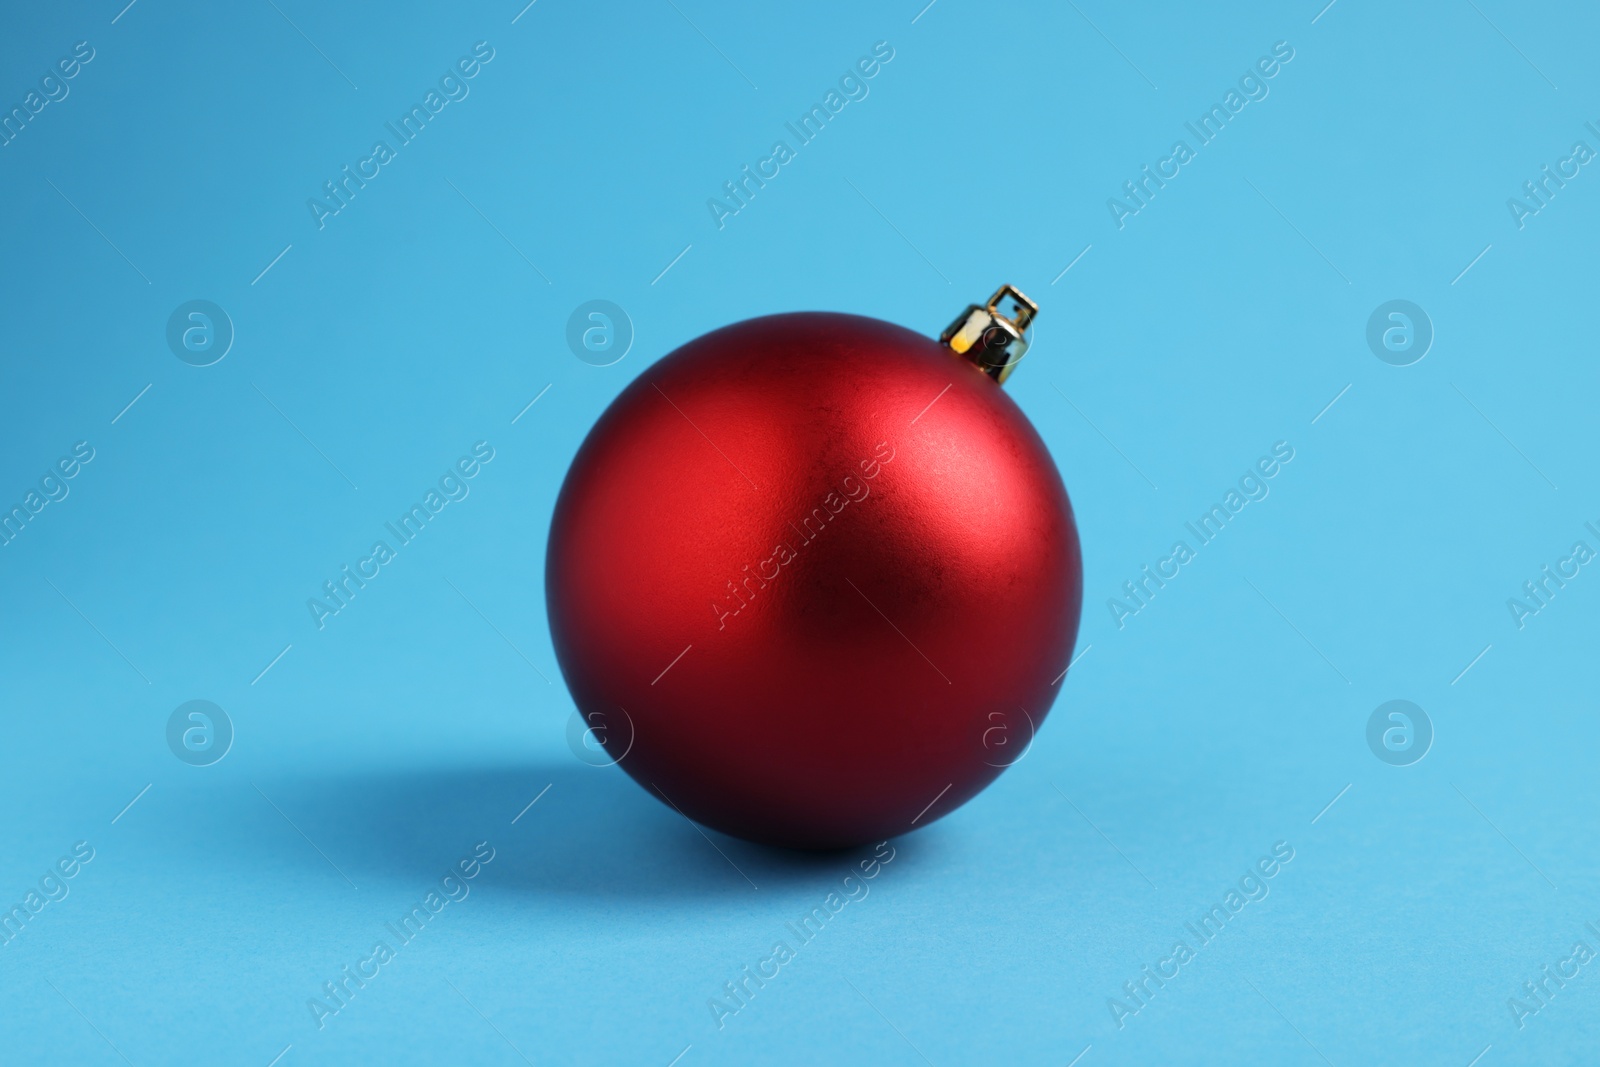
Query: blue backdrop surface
x,y
390,217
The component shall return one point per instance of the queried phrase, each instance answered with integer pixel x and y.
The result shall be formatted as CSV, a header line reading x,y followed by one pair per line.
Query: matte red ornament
x,y
813,578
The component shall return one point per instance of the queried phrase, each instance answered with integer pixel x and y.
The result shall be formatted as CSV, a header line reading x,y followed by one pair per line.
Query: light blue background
x,y
1221,319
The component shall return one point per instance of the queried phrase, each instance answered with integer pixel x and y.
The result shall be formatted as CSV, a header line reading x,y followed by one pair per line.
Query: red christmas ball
x,y
813,578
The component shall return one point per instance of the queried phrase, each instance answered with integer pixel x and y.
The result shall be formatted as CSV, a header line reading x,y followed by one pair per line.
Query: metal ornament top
x,y
992,340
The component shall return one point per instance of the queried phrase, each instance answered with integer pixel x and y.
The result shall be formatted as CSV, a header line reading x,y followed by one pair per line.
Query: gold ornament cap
x,y
992,339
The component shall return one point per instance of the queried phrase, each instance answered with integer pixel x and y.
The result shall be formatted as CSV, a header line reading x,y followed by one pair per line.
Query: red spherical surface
x,y
812,578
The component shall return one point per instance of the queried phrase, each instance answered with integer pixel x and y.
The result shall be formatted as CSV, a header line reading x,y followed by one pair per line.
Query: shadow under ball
x,y
812,577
